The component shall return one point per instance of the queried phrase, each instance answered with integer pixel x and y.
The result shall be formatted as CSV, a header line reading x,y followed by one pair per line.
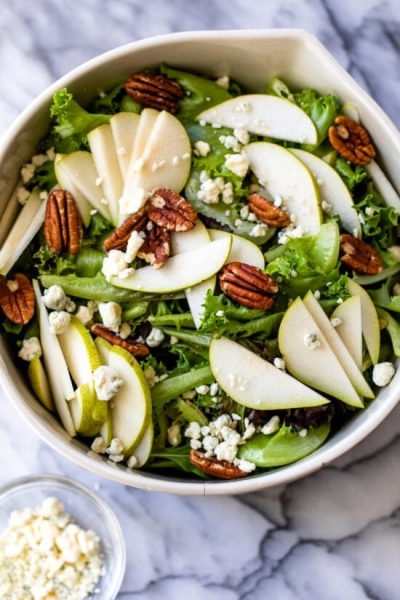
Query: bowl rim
x,y
147,480
113,525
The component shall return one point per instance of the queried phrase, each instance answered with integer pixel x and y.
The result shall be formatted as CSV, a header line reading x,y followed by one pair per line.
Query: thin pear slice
x,y
332,190
166,156
315,366
337,346
106,431
147,119
131,406
81,408
383,185
350,328
143,450
282,175
242,250
55,365
80,169
65,182
185,242
80,352
124,127
105,158
40,383
9,214
271,116
179,272
26,226
369,320
253,382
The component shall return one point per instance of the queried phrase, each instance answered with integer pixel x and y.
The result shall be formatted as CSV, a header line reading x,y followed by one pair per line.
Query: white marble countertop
x,y
335,534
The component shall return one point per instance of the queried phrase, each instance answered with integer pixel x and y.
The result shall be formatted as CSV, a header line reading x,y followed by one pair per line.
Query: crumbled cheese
x,y
210,442
44,555
121,151
22,195
259,230
225,451
110,313
214,389
311,341
249,431
193,431
244,465
279,363
173,340
238,222
230,436
125,331
303,433
85,313
230,142
155,337
383,373
395,252
116,458
174,434
99,446
202,148
326,207
290,232
54,298
99,181
223,81
70,305
242,135
133,202
336,321
114,264
59,321
94,212
210,190
237,163
115,448
27,172
271,426
317,294
30,348
227,193
195,444
135,242
202,390
106,382
132,462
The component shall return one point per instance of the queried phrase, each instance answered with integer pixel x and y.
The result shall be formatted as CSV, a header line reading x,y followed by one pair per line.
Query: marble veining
x,y
331,536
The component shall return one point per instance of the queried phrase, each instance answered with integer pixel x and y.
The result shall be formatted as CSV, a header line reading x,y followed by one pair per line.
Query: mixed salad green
x,y
191,415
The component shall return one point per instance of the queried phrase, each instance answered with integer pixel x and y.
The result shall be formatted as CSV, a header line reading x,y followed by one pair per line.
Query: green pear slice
x,y
383,185
102,147
180,272
65,182
350,328
55,365
147,119
369,320
315,366
187,241
242,250
40,383
106,431
337,346
265,115
9,214
25,227
80,169
256,383
81,408
332,190
124,127
143,450
131,406
165,161
282,175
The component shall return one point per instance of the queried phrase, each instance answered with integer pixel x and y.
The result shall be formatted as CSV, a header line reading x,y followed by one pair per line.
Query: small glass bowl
x,y
86,509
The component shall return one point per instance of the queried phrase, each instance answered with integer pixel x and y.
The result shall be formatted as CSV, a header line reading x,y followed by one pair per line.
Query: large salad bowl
x,y
252,58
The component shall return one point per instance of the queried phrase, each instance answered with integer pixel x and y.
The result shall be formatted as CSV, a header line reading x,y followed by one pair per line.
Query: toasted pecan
x,y
359,256
17,299
351,140
247,285
137,349
267,212
63,229
154,91
218,468
118,240
168,209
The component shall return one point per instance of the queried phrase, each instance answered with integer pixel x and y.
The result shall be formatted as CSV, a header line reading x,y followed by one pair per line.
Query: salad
x,y
202,279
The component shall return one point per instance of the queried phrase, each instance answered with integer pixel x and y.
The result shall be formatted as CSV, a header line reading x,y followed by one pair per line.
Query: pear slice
x,y
256,383
180,272
187,241
337,346
332,190
9,214
369,320
55,365
105,158
265,115
25,227
81,172
106,431
80,352
66,183
315,366
165,161
383,185
143,450
350,328
242,250
81,408
124,127
131,406
147,119
283,175
40,383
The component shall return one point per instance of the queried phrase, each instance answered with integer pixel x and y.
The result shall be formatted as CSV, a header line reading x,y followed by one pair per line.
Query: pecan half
x,y
359,256
17,299
135,348
168,209
351,140
247,285
154,91
267,212
63,224
218,468
118,240
156,247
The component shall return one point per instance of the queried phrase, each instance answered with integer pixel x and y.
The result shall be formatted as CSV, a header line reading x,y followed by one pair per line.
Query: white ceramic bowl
x,y
251,57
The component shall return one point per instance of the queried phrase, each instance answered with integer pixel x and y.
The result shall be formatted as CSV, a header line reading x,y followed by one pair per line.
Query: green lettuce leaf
x,y
322,110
